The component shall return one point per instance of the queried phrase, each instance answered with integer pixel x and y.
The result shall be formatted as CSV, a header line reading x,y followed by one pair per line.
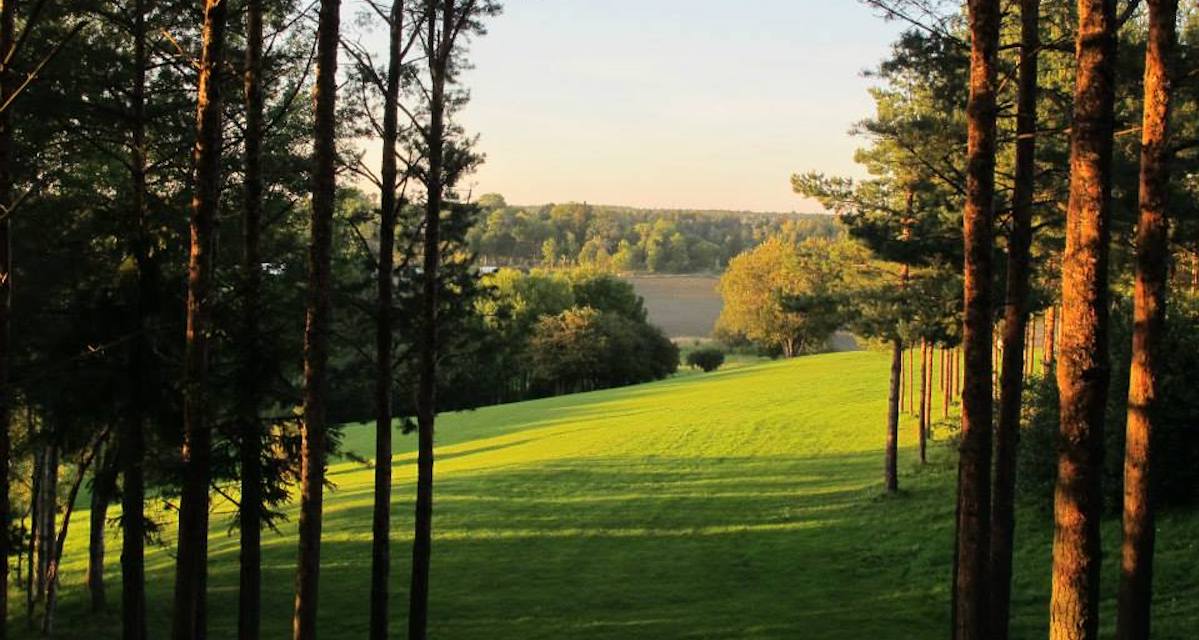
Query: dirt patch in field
x,y
683,306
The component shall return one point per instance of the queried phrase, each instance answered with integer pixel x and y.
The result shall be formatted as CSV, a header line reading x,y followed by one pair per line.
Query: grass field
x,y
745,503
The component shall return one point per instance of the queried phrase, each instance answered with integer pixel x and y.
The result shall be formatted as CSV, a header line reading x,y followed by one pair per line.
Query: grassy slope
x,y
740,504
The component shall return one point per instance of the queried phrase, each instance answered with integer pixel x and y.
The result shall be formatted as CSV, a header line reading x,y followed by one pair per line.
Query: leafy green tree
x,y
759,289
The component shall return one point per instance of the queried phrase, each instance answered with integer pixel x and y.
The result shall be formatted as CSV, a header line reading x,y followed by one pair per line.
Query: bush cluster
x,y
706,359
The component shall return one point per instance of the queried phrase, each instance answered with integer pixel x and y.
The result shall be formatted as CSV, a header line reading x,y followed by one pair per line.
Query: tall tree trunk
x,y
426,401
94,578
8,83
317,329
132,437
388,207
249,591
56,548
1149,310
1015,325
911,372
191,567
35,498
925,378
102,488
974,467
48,512
947,389
1083,367
891,468
1047,340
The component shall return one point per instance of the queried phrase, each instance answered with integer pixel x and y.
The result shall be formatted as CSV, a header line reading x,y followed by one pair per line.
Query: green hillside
x,y
744,503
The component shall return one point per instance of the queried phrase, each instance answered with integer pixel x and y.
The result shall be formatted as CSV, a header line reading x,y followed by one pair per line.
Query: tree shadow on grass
x,y
626,548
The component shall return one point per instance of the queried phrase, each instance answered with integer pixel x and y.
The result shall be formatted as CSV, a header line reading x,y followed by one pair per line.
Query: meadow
x,y
744,503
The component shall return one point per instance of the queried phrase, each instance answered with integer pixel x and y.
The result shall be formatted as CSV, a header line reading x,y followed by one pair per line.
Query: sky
x,y
708,104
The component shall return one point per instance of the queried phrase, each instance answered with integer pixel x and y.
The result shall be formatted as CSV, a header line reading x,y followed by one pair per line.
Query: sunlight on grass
x,y
743,503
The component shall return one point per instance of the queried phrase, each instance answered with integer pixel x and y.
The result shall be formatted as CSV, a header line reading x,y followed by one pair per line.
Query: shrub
x,y
706,358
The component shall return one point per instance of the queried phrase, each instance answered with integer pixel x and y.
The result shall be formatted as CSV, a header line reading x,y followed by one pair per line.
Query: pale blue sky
x,y
670,103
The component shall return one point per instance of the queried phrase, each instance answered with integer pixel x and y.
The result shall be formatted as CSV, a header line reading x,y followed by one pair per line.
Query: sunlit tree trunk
x,y
191,566
1048,345
1149,311
317,327
1083,362
388,206
1015,325
974,467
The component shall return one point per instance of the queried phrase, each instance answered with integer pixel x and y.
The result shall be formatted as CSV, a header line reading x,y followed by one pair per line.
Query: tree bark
x,y
1083,367
249,592
1047,340
925,379
1149,325
102,487
48,512
191,567
381,520
911,376
8,84
35,498
55,557
132,437
891,467
426,403
317,329
974,467
95,552
1015,325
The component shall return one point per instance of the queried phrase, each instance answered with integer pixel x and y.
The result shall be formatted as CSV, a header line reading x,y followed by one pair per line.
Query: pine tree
x,y
191,568
1015,323
1083,362
1152,256
317,326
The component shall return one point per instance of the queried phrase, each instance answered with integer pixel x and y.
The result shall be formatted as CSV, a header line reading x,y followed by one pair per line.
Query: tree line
x,y
626,239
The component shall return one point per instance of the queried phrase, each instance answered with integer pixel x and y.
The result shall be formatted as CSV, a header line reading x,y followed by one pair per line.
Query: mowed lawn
x,y
745,503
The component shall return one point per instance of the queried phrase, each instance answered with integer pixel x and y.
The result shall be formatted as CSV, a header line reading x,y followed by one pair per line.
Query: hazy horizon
x,y
661,105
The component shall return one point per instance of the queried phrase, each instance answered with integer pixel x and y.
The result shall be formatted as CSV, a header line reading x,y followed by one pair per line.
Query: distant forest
x,y
628,239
